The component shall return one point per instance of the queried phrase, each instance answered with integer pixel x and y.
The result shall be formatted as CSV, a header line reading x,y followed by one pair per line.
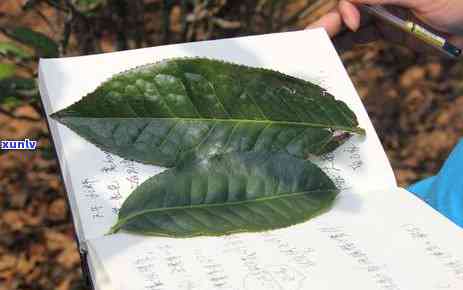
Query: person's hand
x,y
442,16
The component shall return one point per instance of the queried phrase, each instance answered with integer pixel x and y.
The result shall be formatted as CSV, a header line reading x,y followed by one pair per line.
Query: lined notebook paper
x,y
368,213
384,239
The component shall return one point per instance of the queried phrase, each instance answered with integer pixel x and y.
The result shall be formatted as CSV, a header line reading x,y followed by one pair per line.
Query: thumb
x,y
332,22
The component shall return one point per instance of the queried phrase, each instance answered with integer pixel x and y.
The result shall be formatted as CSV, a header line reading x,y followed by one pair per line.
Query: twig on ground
x,y
24,118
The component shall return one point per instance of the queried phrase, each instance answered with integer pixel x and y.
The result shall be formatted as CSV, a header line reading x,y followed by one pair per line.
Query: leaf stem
x,y
114,229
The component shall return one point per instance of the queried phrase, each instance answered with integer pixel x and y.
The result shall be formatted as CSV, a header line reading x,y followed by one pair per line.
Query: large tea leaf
x,y
7,70
228,193
162,112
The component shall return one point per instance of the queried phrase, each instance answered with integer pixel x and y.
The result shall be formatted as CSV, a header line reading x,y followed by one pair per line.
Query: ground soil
x,y
415,102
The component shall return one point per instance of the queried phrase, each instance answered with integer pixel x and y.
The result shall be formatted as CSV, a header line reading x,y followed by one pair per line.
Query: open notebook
x,y
377,236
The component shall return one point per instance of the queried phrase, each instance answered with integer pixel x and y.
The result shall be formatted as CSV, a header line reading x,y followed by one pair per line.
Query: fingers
x,y
332,22
350,15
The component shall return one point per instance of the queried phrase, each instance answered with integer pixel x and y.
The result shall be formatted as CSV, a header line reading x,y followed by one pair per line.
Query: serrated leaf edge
x,y
118,226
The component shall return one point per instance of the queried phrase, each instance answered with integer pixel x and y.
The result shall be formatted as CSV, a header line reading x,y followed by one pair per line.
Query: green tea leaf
x,y
236,192
7,70
44,46
8,48
166,112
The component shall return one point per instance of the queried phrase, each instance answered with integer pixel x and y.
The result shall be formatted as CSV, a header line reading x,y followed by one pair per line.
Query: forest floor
x,y
415,103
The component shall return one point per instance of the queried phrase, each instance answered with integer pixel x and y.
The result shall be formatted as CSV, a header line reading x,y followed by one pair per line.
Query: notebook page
x,y
99,276
99,182
381,240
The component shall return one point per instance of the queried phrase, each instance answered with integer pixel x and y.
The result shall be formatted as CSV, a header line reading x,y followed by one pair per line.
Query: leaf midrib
x,y
123,221
357,129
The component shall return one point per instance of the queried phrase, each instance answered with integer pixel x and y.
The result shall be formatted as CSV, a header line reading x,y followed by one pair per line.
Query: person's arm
x,y
443,16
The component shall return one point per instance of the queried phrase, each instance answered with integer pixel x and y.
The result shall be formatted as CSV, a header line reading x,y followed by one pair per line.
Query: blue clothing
x,y
444,192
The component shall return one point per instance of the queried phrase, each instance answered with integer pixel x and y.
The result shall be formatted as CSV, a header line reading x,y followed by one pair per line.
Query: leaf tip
x,y
58,116
55,116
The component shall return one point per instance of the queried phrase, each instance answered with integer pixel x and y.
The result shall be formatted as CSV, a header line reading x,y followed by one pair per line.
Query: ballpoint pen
x,y
412,28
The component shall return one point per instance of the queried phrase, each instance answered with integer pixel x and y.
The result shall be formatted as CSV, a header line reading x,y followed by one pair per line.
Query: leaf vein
x,y
244,203
168,134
